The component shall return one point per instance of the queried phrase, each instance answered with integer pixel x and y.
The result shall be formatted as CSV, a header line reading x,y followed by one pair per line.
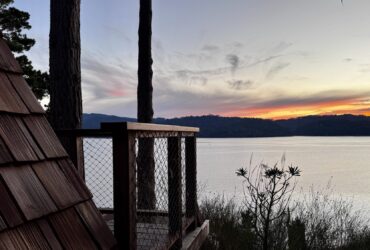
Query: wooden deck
x,y
154,235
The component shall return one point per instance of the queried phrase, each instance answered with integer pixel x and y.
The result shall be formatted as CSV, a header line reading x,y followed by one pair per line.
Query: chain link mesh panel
x,y
98,160
155,153
160,183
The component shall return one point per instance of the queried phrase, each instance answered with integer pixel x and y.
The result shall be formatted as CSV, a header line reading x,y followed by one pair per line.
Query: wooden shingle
x,y
71,173
7,60
8,208
45,136
9,98
29,193
5,156
56,184
11,240
32,236
25,93
49,234
30,138
71,230
98,228
5,242
2,224
16,137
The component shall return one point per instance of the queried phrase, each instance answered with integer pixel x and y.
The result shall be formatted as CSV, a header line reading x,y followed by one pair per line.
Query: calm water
x,y
345,161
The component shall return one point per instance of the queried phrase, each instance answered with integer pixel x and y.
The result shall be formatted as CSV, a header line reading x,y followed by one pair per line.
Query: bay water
x,y
343,163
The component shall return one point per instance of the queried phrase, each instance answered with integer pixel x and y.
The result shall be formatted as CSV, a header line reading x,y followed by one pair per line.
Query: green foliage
x,y
230,228
321,221
331,221
12,24
39,81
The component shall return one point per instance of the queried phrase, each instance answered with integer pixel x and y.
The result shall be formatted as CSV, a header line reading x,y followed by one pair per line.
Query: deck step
x,y
195,239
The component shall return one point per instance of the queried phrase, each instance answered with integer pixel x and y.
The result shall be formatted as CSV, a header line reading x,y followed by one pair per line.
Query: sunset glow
x,y
355,107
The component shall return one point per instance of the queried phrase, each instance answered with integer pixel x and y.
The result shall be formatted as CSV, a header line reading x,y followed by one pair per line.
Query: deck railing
x,y
151,171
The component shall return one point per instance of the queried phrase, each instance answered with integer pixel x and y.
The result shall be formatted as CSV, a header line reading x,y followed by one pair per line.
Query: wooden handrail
x,y
106,129
134,126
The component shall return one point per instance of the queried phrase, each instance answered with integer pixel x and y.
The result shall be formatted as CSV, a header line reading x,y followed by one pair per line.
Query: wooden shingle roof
x,y
44,203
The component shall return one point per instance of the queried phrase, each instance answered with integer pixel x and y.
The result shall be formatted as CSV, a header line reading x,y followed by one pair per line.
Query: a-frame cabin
x,y
44,203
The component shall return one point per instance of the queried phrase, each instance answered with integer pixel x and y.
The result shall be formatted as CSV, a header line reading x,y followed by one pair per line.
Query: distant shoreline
x,y
264,137
212,126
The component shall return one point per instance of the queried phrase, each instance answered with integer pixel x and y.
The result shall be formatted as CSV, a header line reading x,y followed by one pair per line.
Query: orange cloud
x,y
116,93
353,106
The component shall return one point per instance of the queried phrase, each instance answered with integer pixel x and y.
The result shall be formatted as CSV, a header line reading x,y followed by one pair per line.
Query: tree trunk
x,y
146,166
145,72
65,73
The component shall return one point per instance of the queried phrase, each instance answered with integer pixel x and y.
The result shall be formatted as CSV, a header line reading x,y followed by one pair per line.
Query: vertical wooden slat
x,y
79,158
74,147
191,176
174,190
124,185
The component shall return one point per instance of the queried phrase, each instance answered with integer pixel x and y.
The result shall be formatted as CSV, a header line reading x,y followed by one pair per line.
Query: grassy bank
x,y
324,220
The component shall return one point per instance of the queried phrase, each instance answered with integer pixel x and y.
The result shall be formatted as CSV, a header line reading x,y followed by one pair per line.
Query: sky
x,y
250,58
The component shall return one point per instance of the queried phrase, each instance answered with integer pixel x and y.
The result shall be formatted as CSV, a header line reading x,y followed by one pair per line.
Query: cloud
x,y
348,59
280,47
240,84
273,71
279,104
111,89
263,60
363,102
173,101
365,68
186,73
186,77
119,33
210,48
198,100
234,62
315,98
237,45
185,86
103,80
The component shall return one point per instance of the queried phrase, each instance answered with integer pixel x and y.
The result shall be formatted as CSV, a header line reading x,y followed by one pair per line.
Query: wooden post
x,y
124,185
146,174
73,145
191,176
174,190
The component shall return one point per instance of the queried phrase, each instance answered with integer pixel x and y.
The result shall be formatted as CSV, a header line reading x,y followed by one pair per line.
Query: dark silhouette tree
x,y
12,24
268,194
146,182
65,72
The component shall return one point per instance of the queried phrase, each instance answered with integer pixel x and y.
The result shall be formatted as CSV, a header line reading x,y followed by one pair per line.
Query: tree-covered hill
x,y
334,125
217,126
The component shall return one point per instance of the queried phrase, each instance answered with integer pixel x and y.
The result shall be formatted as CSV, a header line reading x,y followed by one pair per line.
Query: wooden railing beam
x,y
174,190
191,176
124,186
